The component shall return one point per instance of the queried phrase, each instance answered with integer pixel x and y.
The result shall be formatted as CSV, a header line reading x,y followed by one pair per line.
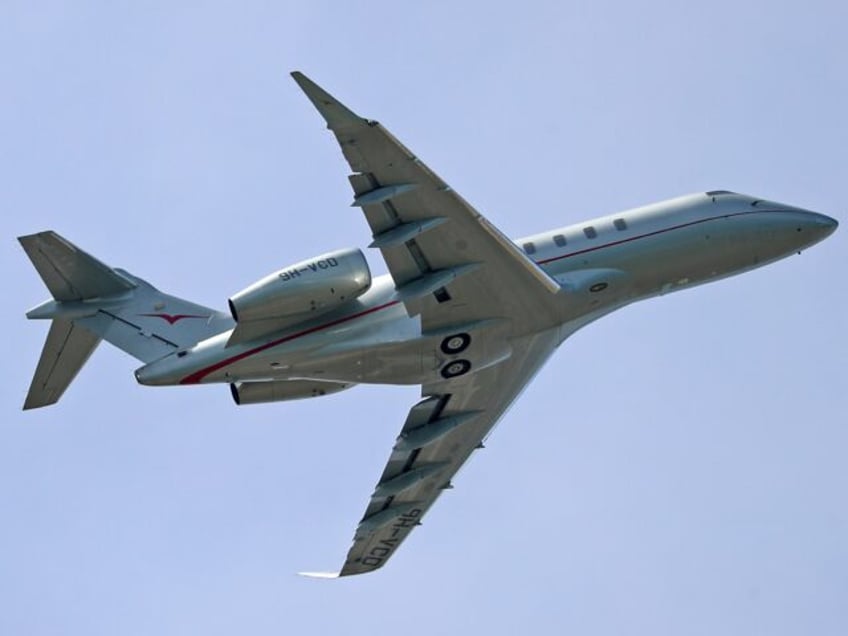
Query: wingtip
x,y
332,110
28,238
319,575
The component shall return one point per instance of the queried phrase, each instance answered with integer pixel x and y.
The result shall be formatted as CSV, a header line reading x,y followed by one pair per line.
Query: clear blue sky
x,y
678,468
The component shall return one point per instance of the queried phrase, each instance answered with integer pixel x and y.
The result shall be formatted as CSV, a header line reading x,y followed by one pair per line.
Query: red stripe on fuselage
x,y
197,376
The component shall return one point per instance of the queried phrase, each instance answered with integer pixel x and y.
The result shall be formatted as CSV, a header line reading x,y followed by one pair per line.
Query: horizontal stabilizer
x,y
70,273
67,348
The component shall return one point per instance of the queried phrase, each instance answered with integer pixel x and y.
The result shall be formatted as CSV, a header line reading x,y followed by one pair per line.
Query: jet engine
x,y
281,390
312,286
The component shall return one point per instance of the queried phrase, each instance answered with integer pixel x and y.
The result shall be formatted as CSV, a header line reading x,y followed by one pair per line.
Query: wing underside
x,y
440,433
461,275
448,262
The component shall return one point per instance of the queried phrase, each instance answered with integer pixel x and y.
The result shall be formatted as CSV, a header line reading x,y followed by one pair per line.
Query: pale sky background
x,y
677,468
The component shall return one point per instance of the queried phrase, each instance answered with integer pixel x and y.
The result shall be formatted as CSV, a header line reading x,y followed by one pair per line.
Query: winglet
x,y
319,575
337,114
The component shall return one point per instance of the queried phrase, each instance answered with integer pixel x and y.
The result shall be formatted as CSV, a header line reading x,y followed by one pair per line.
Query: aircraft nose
x,y
809,227
828,223
821,224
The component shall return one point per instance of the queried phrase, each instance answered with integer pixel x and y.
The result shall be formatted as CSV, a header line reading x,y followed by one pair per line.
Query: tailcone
x,y
815,227
162,372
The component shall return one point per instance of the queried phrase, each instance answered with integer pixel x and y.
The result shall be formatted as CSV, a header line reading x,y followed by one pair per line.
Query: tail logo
x,y
172,319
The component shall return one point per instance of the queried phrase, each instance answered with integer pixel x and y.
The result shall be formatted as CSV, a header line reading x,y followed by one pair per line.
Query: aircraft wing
x,y
439,435
448,262
459,273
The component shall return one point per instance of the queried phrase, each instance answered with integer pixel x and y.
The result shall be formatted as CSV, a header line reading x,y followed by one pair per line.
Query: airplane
x,y
465,312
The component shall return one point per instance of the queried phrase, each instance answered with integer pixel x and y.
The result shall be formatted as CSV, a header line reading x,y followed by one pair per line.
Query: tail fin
x,y
92,301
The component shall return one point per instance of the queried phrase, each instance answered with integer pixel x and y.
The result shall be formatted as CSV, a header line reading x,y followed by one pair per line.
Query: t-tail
x,y
93,302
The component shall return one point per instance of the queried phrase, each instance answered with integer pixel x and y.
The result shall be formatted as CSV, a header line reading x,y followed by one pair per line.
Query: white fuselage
x,y
601,265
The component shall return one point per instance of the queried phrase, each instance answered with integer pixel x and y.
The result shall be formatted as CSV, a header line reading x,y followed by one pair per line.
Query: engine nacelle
x,y
312,286
281,390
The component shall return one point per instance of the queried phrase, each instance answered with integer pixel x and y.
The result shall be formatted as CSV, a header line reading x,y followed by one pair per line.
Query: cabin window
x,y
559,240
529,248
620,224
590,232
